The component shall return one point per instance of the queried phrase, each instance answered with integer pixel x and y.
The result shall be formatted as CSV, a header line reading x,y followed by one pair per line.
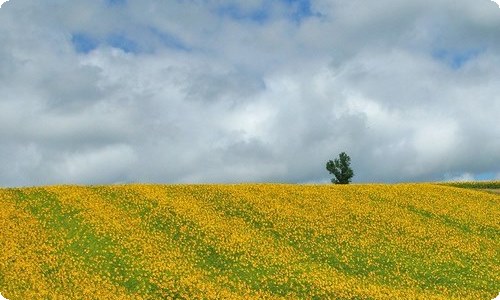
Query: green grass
x,y
474,184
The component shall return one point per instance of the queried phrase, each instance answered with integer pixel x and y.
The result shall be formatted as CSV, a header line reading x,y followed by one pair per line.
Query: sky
x,y
217,91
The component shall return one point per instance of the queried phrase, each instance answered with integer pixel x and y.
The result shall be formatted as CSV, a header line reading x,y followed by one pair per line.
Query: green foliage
x,y
474,184
340,168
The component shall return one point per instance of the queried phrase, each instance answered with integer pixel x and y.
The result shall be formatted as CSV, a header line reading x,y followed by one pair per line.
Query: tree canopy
x,y
340,168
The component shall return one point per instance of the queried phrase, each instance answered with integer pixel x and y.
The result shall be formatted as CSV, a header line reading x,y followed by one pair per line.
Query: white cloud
x,y
98,165
197,95
462,177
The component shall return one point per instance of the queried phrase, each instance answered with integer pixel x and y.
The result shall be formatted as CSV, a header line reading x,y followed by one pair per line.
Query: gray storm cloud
x,y
237,91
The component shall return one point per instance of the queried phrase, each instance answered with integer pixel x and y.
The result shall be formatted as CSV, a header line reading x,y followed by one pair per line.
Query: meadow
x,y
249,241
474,184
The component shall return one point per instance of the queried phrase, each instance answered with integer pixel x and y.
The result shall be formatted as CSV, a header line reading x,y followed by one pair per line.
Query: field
x,y
249,241
474,184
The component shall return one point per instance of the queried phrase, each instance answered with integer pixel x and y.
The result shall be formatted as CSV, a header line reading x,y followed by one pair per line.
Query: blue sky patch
x,y
299,9
122,42
84,43
235,12
169,40
485,176
116,2
296,11
456,59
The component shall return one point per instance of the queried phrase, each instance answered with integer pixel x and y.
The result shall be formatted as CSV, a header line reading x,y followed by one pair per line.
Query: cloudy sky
x,y
192,91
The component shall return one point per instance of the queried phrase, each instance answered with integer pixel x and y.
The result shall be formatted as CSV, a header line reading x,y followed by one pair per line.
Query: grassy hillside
x,y
408,241
474,184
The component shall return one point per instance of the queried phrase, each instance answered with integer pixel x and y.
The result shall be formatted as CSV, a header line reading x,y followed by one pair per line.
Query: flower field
x,y
249,241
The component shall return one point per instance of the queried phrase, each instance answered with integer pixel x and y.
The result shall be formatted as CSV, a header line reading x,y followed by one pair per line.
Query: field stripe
x,y
76,241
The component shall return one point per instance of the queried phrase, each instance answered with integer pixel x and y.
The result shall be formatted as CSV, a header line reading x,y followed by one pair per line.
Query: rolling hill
x,y
249,241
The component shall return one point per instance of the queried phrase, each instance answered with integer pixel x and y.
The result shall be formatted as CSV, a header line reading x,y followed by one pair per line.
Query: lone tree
x,y
340,167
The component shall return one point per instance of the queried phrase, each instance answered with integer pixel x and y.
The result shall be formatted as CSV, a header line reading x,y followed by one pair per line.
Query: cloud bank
x,y
106,91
